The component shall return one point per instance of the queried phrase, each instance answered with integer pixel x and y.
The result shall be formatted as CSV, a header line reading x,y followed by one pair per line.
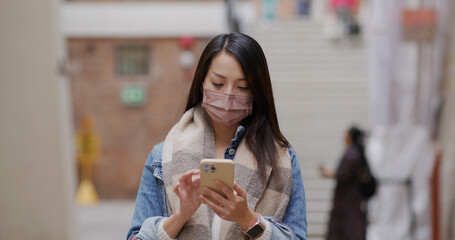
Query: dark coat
x,y
348,219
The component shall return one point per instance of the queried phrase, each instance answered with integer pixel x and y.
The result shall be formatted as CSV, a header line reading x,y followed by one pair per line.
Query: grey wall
x,y
36,176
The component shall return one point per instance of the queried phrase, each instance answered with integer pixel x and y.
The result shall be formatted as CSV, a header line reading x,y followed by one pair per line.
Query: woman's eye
x,y
217,84
243,88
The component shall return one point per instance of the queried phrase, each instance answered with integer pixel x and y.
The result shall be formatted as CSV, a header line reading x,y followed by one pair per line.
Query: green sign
x,y
132,95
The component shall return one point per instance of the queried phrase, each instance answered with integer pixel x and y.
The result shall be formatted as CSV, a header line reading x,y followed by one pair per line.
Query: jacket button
x,y
231,151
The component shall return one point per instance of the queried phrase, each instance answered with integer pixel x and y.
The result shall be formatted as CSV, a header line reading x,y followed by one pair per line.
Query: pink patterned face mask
x,y
227,109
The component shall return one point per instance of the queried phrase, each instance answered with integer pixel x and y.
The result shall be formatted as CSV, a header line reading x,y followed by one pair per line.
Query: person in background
x,y
348,215
304,7
345,12
230,113
88,153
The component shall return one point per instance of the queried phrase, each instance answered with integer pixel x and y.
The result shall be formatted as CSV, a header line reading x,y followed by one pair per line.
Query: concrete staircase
x,y
320,88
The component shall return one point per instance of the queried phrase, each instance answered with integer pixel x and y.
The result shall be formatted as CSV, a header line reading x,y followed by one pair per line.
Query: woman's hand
x,y
188,192
233,208
325,172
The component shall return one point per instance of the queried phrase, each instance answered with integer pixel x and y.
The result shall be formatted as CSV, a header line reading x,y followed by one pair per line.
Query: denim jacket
x,y
151,202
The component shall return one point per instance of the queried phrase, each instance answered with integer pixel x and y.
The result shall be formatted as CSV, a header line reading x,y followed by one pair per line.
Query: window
x,y
132,60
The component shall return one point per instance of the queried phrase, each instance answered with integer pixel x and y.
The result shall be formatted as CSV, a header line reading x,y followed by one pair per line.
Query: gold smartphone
x,y
212,169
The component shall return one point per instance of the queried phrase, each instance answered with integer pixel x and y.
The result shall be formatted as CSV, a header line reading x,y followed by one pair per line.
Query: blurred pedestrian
x,y
87,152
230,114
348,215
269,9
304,7
345,11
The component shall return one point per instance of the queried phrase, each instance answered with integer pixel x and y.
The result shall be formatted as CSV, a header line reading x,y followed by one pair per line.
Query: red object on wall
x,y
419,25
419,17
187,42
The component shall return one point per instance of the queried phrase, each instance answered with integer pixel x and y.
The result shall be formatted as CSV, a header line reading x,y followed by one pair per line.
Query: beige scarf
x,y
191,140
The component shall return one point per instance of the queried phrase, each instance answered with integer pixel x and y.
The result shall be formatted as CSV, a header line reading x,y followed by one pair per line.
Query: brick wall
x,y
127,134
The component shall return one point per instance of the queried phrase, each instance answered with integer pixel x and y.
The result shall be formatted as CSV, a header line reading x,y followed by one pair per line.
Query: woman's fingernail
x,y
202,198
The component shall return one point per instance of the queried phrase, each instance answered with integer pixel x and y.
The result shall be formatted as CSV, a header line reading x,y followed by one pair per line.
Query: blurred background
x,y
88,87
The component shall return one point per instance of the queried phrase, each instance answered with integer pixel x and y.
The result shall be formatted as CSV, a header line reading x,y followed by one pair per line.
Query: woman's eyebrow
x,y
223,77
219,75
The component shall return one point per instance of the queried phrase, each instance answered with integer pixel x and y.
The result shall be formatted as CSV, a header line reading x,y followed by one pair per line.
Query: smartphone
x,y
212,169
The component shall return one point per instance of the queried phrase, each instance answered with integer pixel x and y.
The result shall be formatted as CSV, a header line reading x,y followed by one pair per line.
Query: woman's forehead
x,y
226,65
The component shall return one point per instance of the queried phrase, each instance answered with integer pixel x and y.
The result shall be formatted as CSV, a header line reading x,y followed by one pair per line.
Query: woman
x,y
348,216
230,114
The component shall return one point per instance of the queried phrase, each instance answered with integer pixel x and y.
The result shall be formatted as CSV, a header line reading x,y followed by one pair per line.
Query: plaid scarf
x,y
191,140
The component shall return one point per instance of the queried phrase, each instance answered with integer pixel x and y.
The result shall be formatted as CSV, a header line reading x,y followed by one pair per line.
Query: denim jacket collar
x,y
238,136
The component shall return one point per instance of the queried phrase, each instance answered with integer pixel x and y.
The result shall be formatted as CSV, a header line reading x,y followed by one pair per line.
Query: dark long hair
x,y
262,130
357,137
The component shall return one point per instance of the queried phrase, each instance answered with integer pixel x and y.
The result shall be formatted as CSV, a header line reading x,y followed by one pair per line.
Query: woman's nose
x,y
229,89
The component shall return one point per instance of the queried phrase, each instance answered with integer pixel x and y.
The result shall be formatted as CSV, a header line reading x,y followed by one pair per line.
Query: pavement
x,y
106,220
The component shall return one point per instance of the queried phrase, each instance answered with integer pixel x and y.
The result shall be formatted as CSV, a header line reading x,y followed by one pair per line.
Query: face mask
x,y
227,109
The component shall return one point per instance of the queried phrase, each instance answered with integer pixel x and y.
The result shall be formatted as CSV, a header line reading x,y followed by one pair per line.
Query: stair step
x,y
318,195
316,229
318,217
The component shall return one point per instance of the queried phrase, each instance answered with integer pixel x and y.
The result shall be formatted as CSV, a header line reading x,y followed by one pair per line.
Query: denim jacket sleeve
x,y
150,207
294,225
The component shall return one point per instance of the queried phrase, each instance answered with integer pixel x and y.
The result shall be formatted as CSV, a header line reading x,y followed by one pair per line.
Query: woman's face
x,y
347,139
225,74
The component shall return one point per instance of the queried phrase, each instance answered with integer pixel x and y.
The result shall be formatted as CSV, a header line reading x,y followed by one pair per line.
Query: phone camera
x,y
213,168
206,170
206,166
